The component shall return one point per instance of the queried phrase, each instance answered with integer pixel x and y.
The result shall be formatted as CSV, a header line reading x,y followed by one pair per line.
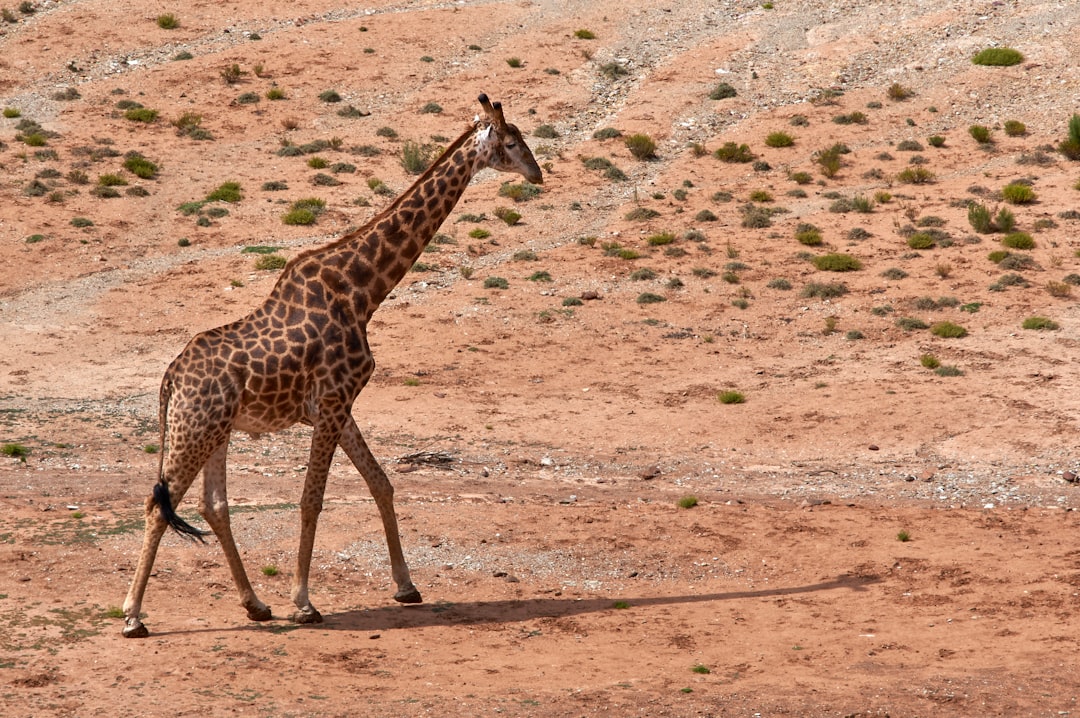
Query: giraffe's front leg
x,y
323,444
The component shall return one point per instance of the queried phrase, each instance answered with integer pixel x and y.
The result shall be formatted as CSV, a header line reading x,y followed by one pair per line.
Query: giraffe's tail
x,y
161,488
164,502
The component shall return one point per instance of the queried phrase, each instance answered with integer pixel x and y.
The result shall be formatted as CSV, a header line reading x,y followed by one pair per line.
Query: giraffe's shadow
x,y
523,610
509,611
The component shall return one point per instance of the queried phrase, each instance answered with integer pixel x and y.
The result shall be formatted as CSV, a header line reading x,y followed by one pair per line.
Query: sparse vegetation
x,y
898,92
998,56
819,290
1018,240
641,146
1038,323
779,139
915,175
270,262
948,330
732,152
836,262
981,134
722,92
1018,193
416,157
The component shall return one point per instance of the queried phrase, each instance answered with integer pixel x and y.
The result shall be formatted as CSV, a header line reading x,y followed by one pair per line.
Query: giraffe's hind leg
x,y
383,492
214,507
179,480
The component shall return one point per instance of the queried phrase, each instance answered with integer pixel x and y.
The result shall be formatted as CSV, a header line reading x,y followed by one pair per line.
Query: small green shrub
x,y
659,240
139,166
298,217
836,262
650,298
936,141
606,133
898,92
809,235
584,34
111,180
141,114
1018,193
829,160
15,451
921,240
915,175
1015,128
1040,323
270,262
722,92
732,152
910,324
496,283
1018,240
641,214
167,21
948,330
929,361
818,290
980,219
981,134
641,146
507,215
851,118
519,192
1070,146
779,139
226,192
731,397
416,157
330,96
998,56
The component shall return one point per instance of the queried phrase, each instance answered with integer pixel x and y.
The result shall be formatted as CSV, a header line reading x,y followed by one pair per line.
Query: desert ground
x,y
883,459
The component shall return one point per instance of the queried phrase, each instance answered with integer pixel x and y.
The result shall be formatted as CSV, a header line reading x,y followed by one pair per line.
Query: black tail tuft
x,y
164,502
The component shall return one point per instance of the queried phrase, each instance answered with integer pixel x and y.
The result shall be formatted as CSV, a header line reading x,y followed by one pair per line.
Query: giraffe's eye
x,y
511,145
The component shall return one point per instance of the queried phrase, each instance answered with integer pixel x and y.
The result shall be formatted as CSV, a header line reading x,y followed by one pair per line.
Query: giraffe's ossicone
x,y
303,357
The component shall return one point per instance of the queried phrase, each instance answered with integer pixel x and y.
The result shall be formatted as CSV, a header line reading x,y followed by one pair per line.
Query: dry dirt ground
x,y
551,439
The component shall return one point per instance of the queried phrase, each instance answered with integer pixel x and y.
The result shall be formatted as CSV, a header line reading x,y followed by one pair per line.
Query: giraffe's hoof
x,y
259,613
408,595
135,629
308,614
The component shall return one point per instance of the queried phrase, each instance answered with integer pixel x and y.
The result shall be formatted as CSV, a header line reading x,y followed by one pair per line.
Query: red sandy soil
x,y
539,449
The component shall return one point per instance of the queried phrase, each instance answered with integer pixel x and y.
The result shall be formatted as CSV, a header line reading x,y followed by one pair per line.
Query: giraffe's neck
x,y
368,263
395,238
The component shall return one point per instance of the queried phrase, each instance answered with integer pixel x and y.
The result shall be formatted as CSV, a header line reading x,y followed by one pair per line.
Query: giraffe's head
x,y
503,146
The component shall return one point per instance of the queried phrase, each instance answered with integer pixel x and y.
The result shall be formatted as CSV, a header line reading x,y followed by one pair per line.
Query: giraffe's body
x,y
303,357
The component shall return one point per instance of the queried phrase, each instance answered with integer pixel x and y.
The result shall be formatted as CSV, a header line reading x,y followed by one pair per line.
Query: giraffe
x,y
303,357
